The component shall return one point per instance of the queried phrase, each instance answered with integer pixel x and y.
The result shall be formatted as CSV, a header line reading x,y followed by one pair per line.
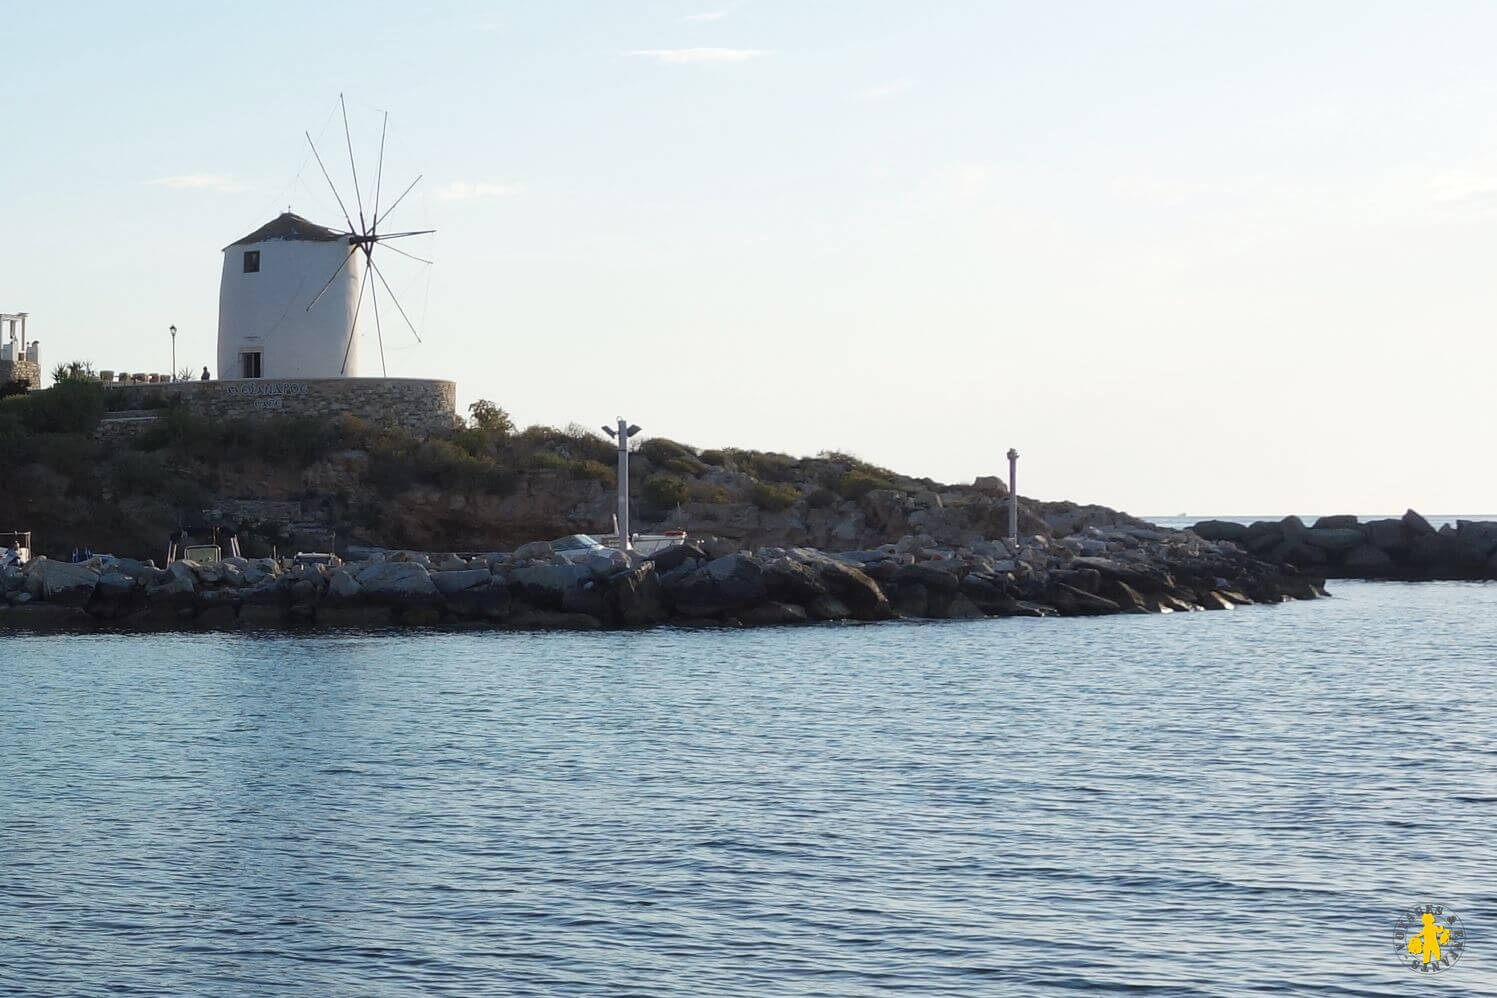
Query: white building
x,y
269,278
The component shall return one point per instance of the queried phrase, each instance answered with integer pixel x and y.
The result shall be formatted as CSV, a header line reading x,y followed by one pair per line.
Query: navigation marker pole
x,y
1013,499
622,435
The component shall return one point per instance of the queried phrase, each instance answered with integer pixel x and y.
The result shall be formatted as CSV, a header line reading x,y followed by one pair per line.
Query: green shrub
x,y
774,497
544,460
488,417
768,467
136,473
70,454
716,458
70,406
856,484
820,498
596,470
710,492
664,491
671,456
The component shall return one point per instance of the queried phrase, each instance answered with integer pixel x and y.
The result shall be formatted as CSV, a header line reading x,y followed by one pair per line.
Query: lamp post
x,y
1013,498
622,435
174,352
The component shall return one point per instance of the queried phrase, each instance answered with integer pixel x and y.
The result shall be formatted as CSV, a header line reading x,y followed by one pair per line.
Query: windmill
x,y
364,237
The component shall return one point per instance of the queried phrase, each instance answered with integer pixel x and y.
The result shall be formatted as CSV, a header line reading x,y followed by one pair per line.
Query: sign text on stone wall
x,y
257,389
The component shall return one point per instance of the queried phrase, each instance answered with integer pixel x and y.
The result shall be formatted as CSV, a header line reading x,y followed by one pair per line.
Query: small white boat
x,y
15,548
646,545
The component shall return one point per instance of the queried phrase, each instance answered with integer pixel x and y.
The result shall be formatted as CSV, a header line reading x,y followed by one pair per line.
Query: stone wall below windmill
x,y
414,403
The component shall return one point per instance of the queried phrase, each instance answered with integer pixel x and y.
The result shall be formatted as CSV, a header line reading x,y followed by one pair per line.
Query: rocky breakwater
x,y
1343,547
1092,572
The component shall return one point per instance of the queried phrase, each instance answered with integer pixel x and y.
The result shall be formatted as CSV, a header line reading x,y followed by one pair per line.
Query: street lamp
x,y
622,435
1013,498
174,353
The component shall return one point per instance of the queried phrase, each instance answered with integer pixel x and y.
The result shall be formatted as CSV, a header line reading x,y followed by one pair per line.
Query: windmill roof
x,y
290,227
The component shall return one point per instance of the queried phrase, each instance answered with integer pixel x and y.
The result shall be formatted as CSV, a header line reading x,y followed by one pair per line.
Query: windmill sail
x,y
365,236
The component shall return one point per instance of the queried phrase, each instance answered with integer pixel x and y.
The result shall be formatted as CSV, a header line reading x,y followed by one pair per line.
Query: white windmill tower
x,y
291,296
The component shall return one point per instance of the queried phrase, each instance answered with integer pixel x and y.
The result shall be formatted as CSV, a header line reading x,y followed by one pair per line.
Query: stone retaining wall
x,y
416,403
20,370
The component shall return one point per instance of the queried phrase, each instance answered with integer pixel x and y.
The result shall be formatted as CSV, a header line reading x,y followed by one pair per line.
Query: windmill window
x,y
249,363
251,261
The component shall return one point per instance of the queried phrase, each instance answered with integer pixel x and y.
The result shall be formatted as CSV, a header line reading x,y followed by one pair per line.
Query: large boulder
x,y
676,555
546,586
941,579
1341,522
739,578
1416,525
534,550
771,613
1333,538
396,582
1387,535
1220,530
862,596
634,598
449,581
487,602
343,586
1368,561
60,582
1073,602
179,585
1263,536
1478,534
792,581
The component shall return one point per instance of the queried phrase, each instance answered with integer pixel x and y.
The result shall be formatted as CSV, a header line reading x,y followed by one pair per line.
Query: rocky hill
x,y
79,476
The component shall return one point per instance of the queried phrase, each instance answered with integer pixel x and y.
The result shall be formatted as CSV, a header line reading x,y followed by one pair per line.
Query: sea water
x,y
1193,804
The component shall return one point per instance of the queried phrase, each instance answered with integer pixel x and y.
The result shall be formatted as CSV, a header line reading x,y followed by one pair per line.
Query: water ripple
x,y
1196,804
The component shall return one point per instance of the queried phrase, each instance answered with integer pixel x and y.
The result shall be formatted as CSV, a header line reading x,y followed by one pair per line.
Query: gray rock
x,y
1416,525
1220,530
1292,526
490,602
1368,560
456,580
395,582
180,583
1478,534
343,585
452,563
115,584
828,607
60,582
606,565
792,581
545,586
740,578
635,599
771,613
1333,538
929,575
1387,535
1342,522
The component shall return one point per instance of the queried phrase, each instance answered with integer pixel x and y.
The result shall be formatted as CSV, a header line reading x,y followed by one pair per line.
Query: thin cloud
x,y
460,190
679,56
199,182
886,90
709,15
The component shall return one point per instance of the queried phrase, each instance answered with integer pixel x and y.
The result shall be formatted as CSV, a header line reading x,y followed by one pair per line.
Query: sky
x,y
1186,257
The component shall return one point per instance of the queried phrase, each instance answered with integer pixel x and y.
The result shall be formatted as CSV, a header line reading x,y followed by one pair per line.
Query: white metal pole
x,y
1013,497
623,437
